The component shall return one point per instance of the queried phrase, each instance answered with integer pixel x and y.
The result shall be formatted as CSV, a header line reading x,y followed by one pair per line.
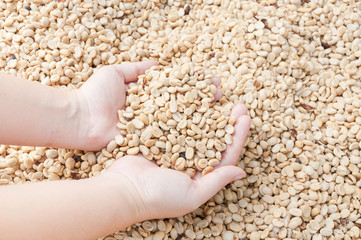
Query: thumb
x,y
131,71
208,185
241,128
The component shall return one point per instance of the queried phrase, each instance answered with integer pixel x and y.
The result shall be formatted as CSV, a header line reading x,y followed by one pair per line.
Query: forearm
x,y
82,209
34,114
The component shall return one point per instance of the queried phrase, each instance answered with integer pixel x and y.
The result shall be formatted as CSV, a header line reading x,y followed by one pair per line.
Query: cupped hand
x,y
157,192
102,96
164,193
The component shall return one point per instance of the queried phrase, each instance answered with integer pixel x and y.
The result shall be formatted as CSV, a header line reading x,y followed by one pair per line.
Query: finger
x,y
218,95
198,175
216,81
239,110
131,71
208,185
241,128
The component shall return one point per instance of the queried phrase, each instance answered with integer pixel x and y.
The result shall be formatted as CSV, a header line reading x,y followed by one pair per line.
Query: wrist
x,y
70,133
131,203
81,119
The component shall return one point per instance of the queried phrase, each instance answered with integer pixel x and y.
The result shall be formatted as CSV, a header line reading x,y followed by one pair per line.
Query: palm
x,y
107,89
170,193
163,192
153,182
103,95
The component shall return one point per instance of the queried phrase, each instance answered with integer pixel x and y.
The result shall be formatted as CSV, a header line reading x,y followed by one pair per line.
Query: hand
x,y
102,96
164,193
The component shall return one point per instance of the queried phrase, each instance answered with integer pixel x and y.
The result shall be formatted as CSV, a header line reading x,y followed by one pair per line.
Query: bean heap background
x,y
294,63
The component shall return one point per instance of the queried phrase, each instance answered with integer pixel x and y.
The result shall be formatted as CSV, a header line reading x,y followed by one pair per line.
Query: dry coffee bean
x,y
188,133
295,65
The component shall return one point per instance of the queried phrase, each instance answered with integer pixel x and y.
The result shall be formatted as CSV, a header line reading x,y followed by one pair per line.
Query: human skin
x,y
34,114
132,189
